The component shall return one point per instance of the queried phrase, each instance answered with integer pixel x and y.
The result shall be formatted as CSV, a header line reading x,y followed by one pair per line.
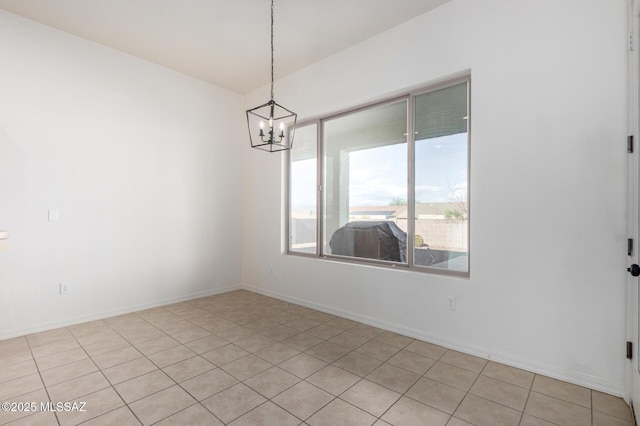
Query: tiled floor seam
x,y
378,418
544,420
170,415
404,395
524,408
159,311
312,414
127,404
113,386
522,412
40,374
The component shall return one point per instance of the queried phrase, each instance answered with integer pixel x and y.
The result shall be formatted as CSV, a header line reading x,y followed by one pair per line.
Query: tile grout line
x,y
246,306
111,384
40,375
470,387
105,377
127,404
591,400
423,375
526,402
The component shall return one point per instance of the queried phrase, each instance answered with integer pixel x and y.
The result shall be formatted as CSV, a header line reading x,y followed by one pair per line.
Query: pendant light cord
x,y
271,49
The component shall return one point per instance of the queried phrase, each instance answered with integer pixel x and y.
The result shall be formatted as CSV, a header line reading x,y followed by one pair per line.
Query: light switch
x,y
4,235
54,215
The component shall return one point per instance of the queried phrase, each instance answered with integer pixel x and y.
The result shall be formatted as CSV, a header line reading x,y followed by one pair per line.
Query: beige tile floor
x,y
241,358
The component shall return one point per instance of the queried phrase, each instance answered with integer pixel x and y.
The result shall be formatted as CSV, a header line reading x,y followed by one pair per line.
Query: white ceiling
x,y
225,42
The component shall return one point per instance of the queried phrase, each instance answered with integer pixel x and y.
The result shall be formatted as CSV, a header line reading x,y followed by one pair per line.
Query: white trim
x,y
112,313
633,7
567,375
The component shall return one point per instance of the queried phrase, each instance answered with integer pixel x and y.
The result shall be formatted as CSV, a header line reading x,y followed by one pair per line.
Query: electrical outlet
x,y
65,288
451,303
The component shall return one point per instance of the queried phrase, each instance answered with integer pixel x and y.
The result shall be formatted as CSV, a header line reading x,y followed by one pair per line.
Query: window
x,y
390,182
302,191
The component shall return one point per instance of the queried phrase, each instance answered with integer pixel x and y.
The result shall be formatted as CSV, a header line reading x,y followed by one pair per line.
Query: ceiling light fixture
x,y
271,126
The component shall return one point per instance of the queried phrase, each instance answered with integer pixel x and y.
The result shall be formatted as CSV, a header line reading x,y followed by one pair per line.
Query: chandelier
x,y
271,126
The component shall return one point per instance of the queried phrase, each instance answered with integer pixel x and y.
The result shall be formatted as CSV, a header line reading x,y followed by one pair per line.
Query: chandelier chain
x,y
271,49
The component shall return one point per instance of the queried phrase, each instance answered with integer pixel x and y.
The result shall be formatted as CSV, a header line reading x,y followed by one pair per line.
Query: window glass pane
x,y
302,195
441,179
365,183
364,171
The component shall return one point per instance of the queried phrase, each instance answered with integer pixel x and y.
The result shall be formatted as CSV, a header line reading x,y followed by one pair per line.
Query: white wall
x,y
547,149
138,160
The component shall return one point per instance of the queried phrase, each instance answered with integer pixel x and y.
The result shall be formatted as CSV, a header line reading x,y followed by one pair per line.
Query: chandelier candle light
x,y
271,126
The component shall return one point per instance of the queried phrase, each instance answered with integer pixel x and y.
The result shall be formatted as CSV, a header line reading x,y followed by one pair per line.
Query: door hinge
x,y
630,42
630,247
629,350
630,144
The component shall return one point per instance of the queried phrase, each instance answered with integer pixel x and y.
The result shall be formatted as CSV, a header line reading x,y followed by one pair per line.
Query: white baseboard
x,y
571,376
112,313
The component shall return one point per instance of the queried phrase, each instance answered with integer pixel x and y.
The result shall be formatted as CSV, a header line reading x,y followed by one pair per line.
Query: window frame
x,y
409,96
